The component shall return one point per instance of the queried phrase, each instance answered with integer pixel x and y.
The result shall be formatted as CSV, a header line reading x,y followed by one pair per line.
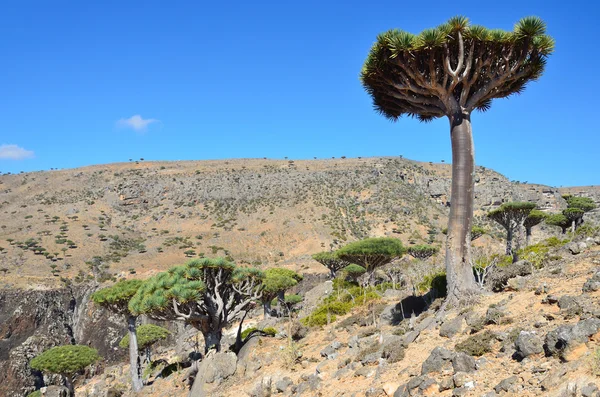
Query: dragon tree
x,y
534,218
511,217
116,299
331,261
451,71
205,293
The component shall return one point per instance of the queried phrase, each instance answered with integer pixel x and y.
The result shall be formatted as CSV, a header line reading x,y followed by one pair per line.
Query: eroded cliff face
x,y
35,320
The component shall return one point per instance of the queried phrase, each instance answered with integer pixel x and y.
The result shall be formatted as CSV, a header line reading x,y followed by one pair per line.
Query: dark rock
x,y
564,338
330,351
283,384
591,390
577,247
462,362
527,344
506,385
569,306
452,327
499,278
438,358
592,284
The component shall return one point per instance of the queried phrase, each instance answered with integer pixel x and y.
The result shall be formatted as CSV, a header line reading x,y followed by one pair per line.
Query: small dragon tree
x,y
559,220
65,361
372,253
534,218
451,71
331,261
511,217
147,335
576,208
205,293
354,271
422,251
116,299
274,285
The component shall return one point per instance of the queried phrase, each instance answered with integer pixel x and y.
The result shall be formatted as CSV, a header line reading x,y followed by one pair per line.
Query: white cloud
x,y
14,152
136,123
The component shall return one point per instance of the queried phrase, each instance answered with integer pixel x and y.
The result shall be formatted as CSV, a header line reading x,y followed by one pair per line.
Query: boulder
x,y
592,284
507,385
565,339
437,360
452,327
283,384
577,247
569,306
528,344
462,362
215,368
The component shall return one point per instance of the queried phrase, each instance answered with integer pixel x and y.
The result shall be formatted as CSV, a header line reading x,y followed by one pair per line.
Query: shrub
x,y
147,335
476,345
434,281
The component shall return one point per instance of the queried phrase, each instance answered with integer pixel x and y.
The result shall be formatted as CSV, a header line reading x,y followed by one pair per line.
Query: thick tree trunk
x,y
509,238
527,236
212,338
266,309
573,227
135,370
459,271
281,302
69,384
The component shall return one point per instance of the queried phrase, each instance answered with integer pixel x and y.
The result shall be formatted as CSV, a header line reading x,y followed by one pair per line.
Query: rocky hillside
x,y
113,220
64,233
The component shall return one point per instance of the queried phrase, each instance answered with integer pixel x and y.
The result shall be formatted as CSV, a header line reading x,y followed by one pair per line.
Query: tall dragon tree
x,y
451,71
116,299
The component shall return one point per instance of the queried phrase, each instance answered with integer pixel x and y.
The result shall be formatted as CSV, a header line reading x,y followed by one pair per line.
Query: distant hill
x,y
116,219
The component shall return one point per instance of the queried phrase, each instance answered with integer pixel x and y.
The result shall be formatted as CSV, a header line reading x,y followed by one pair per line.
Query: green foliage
x,y
119,294
293,299
573,214
534,218
588,230
36,393
147,335
65,359
330,259
354,271
585,204
268,331
422,251
476,345
397,52
434,281
559,220
509,213
344,297
386,246
476,232
277,280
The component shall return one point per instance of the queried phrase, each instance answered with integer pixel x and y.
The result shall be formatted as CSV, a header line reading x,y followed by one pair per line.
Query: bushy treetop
x,y
413,75
573,213
147,335
277,280
118,295
585,204
422,251
65,359
354,270
558,220
535,217
373,246
507,213
192,289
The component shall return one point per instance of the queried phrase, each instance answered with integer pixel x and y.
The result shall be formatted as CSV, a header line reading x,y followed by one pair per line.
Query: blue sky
x,y
89,82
